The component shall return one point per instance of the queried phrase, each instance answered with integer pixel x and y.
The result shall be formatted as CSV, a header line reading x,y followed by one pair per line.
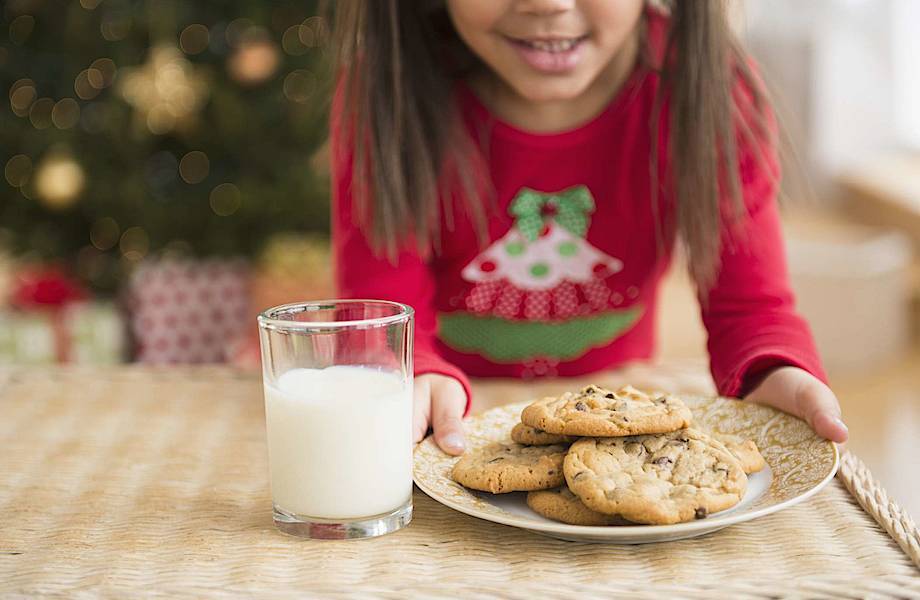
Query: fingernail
x,y
840,422
454,441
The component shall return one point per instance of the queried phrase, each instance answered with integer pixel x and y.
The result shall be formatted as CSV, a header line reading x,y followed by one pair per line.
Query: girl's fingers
x,y
797,392
819,407
421,408
830,427
448,400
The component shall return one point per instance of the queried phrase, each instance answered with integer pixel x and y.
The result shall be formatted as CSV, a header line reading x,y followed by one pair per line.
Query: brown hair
x,y
397,60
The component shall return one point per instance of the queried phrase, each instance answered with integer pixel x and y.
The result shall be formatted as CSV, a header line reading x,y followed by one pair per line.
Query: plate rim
x,y
623,531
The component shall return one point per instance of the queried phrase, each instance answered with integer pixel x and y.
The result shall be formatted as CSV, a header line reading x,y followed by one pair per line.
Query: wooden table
x,y
138,481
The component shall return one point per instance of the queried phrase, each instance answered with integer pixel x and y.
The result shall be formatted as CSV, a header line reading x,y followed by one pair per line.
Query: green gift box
x,y
27,338
79,333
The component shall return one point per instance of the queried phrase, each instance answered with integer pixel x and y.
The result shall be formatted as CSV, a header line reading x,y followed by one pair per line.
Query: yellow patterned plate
x,y
799,465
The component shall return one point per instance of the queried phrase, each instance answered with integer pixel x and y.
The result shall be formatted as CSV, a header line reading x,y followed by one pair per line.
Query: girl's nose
x,y
544,7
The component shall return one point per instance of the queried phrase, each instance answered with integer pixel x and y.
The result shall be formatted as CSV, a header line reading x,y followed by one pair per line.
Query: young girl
x,y
519,171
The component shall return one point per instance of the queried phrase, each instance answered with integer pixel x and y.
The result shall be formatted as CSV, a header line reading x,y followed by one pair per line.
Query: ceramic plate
x,y
800,464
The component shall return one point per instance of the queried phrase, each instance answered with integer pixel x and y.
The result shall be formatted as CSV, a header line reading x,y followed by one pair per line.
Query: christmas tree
x,y
140,127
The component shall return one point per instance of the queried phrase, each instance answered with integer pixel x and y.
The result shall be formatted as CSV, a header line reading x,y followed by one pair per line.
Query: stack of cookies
x,y
602,457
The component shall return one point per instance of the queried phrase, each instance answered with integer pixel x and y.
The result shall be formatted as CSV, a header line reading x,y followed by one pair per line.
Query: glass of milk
x,y
338,409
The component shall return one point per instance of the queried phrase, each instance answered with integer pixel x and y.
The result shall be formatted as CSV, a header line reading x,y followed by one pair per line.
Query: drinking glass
x,y
337,377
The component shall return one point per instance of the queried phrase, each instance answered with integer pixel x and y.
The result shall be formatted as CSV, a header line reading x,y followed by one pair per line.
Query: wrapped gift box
x,y
188,311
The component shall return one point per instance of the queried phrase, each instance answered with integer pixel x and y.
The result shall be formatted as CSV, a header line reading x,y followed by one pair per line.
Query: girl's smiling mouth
x,y
550,55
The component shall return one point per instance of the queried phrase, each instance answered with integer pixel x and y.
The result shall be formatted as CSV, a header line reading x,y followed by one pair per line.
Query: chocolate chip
x,y
663,461
635,448
551,472
495,460
700,513
625,419
609,395
660,400
581,406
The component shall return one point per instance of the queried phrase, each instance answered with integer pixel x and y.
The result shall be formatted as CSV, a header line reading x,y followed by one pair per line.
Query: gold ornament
x,y
294,255
166,91
292,267
254,61
59,179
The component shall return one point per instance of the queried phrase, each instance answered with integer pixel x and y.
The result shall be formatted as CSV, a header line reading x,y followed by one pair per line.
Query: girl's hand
x,y
440,401
800,393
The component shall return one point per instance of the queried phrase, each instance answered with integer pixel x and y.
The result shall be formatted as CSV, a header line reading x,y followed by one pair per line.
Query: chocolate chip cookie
x,y
501,468
598,412
655,479
561,504
530,436
746,452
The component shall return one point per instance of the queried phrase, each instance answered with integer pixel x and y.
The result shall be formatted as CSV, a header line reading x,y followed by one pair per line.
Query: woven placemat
x,y
154,482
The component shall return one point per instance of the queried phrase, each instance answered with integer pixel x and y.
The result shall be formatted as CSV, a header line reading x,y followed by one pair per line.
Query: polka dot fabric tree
x,y
543,268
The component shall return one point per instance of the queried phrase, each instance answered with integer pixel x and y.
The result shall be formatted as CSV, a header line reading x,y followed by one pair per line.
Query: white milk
x,y
339,442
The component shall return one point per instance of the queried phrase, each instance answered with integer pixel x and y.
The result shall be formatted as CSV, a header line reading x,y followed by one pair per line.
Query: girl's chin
x,y
560,90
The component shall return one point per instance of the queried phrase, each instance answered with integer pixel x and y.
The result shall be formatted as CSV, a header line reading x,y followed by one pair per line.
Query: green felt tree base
x,y
505,341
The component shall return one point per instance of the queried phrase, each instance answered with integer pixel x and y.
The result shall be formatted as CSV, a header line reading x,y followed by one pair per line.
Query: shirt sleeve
x,y
361,273
750,313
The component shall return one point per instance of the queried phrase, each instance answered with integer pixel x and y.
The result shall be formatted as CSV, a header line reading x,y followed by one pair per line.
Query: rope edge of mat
x,y
873,498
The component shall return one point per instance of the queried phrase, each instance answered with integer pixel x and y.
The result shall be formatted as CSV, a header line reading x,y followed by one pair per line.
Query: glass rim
x,y
267,319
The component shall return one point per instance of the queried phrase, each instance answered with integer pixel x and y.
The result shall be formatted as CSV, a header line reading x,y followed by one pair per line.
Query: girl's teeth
x,y
553,46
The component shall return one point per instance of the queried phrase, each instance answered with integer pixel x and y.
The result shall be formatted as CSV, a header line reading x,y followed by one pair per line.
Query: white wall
x,y
832,65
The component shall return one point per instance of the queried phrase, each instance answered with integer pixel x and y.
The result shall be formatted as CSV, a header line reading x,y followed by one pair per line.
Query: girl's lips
x,y
550,56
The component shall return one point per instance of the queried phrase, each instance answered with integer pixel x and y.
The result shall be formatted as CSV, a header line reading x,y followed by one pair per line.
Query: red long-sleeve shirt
x,y
569,283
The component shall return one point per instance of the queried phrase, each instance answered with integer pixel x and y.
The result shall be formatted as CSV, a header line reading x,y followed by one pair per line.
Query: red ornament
x,y
545,231
45,286
487,266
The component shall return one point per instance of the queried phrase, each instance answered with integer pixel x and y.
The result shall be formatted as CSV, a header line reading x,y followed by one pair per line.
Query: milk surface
x,y
339,441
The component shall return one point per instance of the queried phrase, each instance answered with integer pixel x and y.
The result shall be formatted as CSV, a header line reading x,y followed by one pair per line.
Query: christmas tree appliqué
x,y
540,291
